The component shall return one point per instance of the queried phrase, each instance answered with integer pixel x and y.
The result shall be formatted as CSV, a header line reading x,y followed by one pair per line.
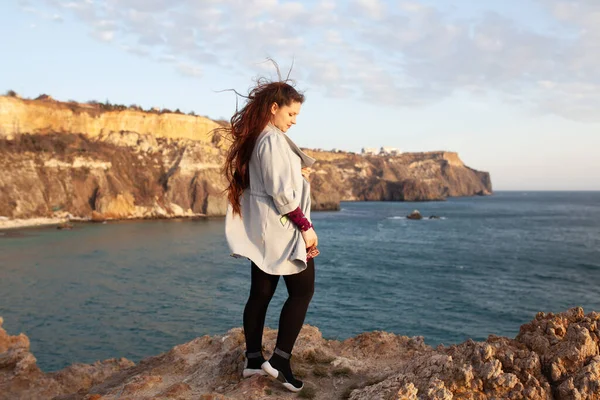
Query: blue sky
x,y
512,86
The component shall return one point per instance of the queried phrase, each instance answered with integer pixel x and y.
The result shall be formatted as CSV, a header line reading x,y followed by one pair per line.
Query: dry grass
x,y
57,143
345,371
300,372
308,392
317,357
320,371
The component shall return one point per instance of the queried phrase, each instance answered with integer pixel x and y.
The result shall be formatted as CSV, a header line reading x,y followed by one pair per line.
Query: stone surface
x,y
555,356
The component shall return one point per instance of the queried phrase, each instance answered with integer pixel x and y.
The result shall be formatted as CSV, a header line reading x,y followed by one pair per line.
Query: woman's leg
x,y
300,289
262,288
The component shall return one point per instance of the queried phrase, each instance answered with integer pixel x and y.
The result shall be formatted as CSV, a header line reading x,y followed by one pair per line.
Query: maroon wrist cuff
x,y
298,218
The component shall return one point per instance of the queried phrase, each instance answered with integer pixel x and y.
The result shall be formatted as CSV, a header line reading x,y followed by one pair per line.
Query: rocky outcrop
x,y
415,215
405,177
20,377
77,161
555,356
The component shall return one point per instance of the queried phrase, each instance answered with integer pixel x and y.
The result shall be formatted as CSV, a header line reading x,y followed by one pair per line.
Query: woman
x,y
268,221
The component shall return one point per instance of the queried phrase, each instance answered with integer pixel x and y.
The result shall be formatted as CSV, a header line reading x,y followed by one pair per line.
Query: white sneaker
x,y
276,374
248,372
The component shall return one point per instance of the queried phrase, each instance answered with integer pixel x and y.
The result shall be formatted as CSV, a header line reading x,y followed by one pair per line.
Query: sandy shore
x,y
6,223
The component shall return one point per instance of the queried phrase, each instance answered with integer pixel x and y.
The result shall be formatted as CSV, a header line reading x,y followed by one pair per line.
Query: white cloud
x,y
190,70
28,8
167,58
291,10
333,37
105,36
575,90
398,52
412,6
137,50
373,8
86,10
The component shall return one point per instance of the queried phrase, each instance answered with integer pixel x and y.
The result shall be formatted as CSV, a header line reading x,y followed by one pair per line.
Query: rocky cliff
x,y
80,161
555,356
405,177
50,116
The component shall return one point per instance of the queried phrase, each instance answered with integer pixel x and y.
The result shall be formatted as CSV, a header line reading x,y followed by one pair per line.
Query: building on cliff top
x,y
389,151
384,151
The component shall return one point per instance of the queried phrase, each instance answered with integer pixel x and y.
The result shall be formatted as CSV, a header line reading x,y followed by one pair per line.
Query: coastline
x,y
7,224
10,223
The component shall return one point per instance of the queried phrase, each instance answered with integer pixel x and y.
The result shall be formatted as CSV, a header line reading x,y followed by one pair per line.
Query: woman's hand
x,y
310,238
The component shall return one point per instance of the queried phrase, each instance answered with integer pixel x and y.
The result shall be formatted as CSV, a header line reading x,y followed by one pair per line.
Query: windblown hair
x,y
246,126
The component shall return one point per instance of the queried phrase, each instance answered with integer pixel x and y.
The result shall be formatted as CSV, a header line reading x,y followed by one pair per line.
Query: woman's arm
x,y
299,219
276,172
308,233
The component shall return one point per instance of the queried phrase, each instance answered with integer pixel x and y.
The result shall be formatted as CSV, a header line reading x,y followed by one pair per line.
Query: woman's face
x,y
284,117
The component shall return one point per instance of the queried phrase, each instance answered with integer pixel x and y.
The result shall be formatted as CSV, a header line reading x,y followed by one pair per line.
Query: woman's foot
x,y
253,364
279,368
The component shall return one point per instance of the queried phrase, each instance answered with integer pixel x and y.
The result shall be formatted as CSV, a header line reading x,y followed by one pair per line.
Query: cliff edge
x,y
555,356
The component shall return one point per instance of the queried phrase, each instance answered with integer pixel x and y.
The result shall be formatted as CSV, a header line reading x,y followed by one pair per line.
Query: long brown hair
x,y
246,126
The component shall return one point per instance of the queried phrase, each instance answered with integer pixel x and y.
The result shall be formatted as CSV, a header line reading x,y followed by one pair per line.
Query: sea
x,y
133,289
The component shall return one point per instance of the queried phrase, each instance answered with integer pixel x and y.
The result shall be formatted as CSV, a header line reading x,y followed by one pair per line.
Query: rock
x,y
552,357
414,215
65,226
434,217
97,217
45,97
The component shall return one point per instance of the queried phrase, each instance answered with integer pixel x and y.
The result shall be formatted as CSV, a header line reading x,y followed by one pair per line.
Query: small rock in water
x,y
414,215
66,225
434,217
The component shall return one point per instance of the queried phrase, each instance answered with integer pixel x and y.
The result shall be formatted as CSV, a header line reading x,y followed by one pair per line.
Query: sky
x,y
512,86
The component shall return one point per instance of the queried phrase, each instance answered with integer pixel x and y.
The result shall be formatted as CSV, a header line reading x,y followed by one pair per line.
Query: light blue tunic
x,y
264,234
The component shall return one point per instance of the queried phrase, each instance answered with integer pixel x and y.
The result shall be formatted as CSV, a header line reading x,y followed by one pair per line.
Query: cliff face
x,y
50,116
77,161
118,176
552,357
406,177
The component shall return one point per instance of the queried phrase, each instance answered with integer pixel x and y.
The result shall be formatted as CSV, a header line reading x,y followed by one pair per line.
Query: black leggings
x,y
300,288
